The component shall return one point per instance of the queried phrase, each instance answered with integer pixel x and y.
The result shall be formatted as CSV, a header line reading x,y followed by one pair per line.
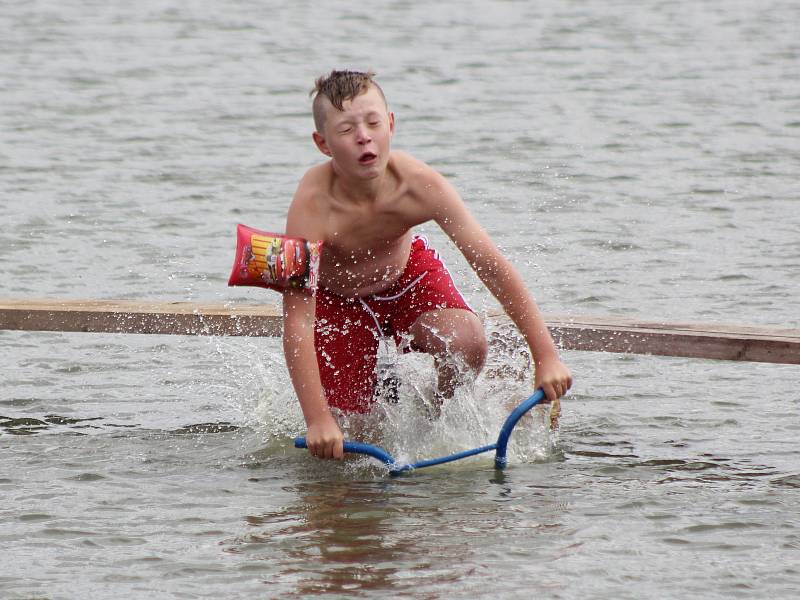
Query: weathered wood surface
x,y
129,316
600,334
692,340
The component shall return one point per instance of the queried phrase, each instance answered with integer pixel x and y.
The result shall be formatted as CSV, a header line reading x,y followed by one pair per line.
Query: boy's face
x,y
358,138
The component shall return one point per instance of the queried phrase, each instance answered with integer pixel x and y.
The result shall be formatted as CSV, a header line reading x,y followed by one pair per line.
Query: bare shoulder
x,y
428,188
421,178
307,210
410,167
316,180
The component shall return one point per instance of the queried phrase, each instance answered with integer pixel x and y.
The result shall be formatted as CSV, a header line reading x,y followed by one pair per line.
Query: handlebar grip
x,y
357,448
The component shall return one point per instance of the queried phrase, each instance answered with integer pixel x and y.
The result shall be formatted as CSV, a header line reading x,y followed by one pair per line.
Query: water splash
x,y
261,391
259,387
472,418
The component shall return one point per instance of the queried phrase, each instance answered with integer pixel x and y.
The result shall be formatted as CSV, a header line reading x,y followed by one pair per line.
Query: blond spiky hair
x,y
338,87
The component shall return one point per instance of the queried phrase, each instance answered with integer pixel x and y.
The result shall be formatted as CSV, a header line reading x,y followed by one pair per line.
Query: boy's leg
x,y
455,338
346,352
426,307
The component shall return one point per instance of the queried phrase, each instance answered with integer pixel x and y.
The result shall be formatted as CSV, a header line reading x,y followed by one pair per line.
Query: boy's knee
x,y
469,343
455,332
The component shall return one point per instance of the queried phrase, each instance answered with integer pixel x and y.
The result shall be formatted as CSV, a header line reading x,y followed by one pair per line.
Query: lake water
x,y
634,159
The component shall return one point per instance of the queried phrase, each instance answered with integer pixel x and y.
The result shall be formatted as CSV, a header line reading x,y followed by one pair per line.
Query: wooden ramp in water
x,y
590,333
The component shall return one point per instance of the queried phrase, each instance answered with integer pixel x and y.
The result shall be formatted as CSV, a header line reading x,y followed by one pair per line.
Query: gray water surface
x,y
633,159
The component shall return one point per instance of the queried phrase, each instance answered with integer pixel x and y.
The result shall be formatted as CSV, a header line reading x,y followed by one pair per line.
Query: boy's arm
x,y
505,283
324,437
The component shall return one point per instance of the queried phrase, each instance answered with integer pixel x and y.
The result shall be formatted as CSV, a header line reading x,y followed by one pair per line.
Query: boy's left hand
x,y
554,378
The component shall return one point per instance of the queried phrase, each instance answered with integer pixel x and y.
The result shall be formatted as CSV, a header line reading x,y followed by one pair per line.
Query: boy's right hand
x,y
325,439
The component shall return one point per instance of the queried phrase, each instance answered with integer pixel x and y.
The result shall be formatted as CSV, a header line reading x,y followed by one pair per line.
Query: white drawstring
x,y
374,317
405,289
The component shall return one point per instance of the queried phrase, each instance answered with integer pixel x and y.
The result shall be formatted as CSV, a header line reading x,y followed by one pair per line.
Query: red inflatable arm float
x,y
275,261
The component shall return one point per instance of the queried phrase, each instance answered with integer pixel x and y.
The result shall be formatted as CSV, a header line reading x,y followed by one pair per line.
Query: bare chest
x,y
365,252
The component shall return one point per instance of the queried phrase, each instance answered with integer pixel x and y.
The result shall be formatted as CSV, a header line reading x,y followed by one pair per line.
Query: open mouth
x,y
367,158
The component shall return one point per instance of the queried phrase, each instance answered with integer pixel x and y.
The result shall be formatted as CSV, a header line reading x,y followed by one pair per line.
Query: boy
x,y
376,278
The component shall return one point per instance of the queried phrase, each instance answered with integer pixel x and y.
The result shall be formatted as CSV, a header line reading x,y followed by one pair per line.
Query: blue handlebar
x,y
500,460
500,447
357,448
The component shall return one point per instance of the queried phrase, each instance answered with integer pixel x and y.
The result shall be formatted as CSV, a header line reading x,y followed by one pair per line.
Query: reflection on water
x,y
337,538
390,537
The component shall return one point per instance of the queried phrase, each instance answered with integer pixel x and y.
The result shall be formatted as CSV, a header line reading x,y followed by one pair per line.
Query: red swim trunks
x,y
347,331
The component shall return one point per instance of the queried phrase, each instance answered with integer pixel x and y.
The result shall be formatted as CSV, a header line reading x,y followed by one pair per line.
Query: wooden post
x,y
598,334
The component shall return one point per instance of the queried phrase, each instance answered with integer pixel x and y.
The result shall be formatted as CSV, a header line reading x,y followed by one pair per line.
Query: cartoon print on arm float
x,y
275,261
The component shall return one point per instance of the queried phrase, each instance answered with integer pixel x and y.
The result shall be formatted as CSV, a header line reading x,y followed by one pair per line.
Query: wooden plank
x,y
692,340
590,333
126,316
